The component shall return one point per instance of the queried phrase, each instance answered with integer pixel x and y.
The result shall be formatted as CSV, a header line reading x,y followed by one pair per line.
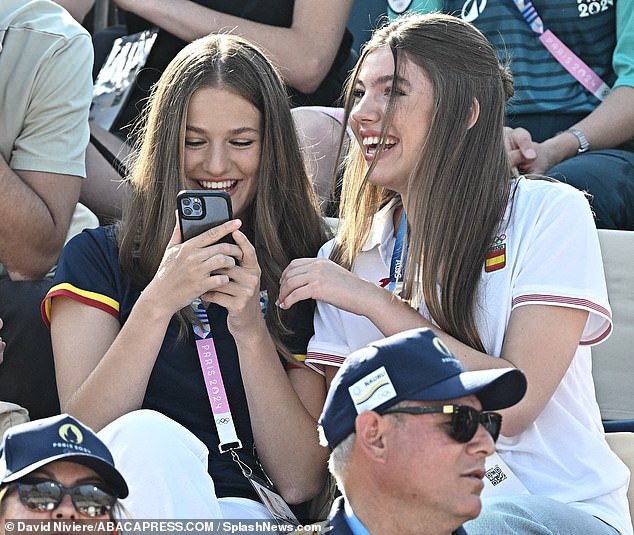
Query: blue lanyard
x,y
528,11
202,330
396,268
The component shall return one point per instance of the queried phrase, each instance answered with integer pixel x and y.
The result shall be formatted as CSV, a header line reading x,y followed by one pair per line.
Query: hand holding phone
x,y
201,210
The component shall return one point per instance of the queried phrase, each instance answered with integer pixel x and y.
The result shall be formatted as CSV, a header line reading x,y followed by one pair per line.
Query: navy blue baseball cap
x,y
413,365
29,446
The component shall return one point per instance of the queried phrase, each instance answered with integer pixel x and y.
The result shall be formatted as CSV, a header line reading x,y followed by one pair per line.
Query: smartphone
x,y
200,210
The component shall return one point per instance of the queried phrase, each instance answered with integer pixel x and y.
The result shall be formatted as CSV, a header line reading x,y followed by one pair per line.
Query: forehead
x,y
221,104
378,68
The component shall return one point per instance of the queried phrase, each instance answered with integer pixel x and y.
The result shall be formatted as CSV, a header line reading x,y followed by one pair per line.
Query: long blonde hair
x,y
458,190
283,221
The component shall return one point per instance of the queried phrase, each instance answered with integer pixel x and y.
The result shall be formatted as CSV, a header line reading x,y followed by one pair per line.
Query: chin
x,y
386,181
472,508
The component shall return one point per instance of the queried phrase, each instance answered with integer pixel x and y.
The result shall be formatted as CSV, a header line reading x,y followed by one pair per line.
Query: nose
x,y
216,161
482,442
66,509
367,109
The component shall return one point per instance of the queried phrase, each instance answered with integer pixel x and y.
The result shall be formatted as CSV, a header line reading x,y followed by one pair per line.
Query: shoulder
x,y
100,240
535,198
326,249
49,37
41,16
543,186
106,235
90,261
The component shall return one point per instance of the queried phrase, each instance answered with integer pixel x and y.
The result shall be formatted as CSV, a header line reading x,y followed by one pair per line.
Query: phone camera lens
x,y
187,211
186,201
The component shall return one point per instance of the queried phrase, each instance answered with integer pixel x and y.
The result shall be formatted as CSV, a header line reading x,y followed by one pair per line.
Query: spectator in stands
x,y
45,94
44,461
556,126
120,309
308,41
167,481
436,232
405,404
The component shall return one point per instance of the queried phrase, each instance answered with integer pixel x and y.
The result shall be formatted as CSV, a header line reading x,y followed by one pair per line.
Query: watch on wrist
x,y
584,144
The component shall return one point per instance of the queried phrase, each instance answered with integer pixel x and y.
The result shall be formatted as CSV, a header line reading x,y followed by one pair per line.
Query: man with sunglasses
x,y
56,469
402,419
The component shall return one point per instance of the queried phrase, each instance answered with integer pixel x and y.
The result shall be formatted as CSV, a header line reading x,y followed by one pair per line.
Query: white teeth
x,y
374,140
371,140
221,184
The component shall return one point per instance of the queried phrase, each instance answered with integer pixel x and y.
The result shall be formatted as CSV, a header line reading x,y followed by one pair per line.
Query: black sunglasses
x,y
464,419
46,495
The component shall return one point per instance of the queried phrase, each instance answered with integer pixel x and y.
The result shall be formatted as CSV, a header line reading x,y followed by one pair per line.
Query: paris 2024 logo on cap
x,y
72,438
70,433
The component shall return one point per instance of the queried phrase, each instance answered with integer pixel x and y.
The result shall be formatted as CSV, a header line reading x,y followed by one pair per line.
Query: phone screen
x,y
200,210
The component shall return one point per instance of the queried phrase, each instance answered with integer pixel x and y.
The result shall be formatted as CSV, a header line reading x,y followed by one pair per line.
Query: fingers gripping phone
x,y
200,210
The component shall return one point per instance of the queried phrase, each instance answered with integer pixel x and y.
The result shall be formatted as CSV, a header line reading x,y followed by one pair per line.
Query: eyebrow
x,y
234,132
386,78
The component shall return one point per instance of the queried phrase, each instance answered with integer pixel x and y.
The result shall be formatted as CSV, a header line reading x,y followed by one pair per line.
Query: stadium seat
x,y
613,360
623,445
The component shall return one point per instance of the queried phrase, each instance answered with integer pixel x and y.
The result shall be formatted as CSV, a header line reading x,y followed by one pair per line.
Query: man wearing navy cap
x,y
409,431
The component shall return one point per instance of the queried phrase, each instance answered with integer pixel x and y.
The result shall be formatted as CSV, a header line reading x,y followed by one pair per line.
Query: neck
x,y
396,218
384,513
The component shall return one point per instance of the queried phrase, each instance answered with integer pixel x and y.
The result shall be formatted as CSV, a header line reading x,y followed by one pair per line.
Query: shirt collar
x,y
357,527
354,523
382,229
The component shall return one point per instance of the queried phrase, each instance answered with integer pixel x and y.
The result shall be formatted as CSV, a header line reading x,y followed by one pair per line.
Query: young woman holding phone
x,y
120,309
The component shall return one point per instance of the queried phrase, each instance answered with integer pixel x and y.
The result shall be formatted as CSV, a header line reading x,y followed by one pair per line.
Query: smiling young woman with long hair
x,y
505,269
120,311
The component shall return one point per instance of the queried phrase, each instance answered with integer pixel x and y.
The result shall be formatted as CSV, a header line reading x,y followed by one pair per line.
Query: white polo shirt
x,y
547,253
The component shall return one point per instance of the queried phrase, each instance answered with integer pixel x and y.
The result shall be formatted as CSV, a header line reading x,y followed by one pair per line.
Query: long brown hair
x,y
458,190
283,221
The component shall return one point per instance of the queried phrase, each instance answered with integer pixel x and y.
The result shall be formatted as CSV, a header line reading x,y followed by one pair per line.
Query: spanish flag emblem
x,y
495,258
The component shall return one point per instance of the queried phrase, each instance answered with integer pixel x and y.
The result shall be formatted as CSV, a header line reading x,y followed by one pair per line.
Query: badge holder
x,y
269,496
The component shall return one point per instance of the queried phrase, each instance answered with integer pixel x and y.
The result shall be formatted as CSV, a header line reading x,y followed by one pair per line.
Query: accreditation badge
x,y
272,500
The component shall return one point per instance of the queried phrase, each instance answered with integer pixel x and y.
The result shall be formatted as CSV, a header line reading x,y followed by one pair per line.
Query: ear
x,y
371,428
475,113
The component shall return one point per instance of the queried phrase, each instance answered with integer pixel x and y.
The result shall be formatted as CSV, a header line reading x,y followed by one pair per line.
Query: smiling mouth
x,y
371,145
217,185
